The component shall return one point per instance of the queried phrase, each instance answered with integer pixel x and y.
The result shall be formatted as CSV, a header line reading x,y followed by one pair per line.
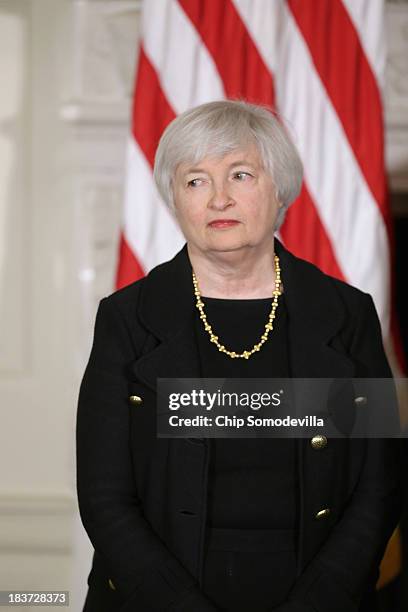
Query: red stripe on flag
x,y
346,74
304,234
238,61
129,269
343,67
151,113
151,110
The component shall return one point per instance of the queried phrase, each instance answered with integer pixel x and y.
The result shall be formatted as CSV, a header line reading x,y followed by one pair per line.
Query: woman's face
x,y
226,204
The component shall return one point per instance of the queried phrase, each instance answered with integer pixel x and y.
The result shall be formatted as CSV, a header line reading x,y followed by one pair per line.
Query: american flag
x,y
320,65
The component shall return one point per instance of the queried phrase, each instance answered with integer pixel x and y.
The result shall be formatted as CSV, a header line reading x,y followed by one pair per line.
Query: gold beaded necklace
x,y
268,327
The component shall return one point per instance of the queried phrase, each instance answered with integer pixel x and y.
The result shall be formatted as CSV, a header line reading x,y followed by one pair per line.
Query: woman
x,y
229,524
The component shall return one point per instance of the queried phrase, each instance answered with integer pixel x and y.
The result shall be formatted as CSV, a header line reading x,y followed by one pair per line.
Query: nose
x,y
221,197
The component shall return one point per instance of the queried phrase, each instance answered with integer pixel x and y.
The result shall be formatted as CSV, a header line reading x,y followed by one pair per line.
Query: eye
x,y
241,176
196,182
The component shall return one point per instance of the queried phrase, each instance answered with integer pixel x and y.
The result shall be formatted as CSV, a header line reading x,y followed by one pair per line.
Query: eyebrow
x,y
233,165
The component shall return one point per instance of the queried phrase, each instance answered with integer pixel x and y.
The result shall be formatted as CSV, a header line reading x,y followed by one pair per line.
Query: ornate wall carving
x,y
95,107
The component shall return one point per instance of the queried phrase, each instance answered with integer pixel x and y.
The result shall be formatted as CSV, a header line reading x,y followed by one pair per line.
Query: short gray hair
x,y
218,128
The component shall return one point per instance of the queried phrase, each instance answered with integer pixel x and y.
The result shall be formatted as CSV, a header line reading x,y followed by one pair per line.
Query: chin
x,y
227,245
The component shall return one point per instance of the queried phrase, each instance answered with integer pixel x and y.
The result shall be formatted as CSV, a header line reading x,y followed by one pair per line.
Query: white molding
x,y
396,96
396,87
103,40
115,5
35,502
31,522
97,112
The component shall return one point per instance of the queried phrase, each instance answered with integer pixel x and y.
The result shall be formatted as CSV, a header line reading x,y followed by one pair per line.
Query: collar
x,y
167,299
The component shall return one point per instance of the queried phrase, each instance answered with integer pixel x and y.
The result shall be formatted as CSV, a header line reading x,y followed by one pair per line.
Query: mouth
x,y
223,223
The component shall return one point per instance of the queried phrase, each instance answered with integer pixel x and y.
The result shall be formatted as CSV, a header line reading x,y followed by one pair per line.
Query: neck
x,y
244,273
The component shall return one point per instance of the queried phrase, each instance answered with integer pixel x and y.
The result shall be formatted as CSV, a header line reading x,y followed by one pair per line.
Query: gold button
x,y
111,585
360,401
318,442
135,400
322,514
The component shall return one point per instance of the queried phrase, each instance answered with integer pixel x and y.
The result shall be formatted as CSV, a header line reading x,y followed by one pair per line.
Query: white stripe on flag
x,y
149,227
187,72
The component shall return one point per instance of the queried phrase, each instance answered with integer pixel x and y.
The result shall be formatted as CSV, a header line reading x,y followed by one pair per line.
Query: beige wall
x,y
66,71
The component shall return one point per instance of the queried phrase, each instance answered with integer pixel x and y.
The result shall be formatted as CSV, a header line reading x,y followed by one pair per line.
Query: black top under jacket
x,y
251,480
143,499
250,560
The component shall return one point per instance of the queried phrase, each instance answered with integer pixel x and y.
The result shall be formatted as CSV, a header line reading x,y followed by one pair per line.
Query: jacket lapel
x,y
167,311
315,316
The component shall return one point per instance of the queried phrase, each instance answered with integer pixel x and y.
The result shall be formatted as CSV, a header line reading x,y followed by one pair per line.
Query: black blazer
x,y
142,499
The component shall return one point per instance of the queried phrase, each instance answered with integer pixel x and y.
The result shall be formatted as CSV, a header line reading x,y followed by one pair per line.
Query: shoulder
x,y
127,299
349,314
360,314
127,307
148,305
352,298
349,297
331,306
